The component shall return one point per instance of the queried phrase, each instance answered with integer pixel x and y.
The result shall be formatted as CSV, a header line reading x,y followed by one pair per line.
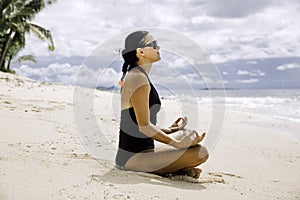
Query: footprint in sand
x,y
222,173
219,177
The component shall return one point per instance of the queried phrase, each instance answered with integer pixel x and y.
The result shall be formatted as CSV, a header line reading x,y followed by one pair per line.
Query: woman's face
x,y
151,51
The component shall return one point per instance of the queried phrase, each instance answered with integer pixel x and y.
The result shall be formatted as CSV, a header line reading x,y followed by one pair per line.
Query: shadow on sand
x,y
116,176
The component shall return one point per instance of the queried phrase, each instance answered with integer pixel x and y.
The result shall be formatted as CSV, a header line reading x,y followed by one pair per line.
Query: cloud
x,y
252,62
247,81
288,66
101,77
257,73
58,73
71,74
236,8
272,32
229,30
254,72
242,72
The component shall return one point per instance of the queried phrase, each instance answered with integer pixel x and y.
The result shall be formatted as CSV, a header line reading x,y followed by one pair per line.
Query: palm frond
x,y
42,34
26,58
15,17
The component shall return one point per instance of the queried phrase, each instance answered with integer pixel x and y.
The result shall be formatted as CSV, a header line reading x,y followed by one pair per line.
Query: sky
x,y
253,43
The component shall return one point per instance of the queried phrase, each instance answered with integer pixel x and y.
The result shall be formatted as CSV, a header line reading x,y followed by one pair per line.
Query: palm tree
x,y
15,22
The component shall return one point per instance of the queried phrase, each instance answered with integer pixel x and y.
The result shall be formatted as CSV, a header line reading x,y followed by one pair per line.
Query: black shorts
x,y
122,157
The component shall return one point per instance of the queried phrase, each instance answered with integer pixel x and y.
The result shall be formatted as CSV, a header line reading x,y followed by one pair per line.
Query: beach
x,y
44,155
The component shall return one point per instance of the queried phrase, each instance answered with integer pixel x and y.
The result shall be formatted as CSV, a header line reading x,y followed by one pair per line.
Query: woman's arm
x,y
167,130
140,101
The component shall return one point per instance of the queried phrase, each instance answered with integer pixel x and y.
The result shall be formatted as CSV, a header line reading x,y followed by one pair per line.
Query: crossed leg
x,y
168,161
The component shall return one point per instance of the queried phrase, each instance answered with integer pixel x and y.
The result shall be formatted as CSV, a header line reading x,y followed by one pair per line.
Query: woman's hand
x,y
176,126
189,140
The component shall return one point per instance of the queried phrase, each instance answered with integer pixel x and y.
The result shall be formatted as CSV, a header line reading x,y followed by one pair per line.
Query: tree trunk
x,y
4,52
8,63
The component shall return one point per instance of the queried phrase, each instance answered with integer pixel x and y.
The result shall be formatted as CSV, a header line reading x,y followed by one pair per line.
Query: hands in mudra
x,y
189,140
192,137
176,126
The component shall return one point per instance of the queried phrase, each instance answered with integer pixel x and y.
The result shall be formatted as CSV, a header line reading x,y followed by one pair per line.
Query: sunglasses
x,y
152,44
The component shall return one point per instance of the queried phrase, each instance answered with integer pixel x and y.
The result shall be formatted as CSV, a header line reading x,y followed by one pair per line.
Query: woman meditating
x,y
140,104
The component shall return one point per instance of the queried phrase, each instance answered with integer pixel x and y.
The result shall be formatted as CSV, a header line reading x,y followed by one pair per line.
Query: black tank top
x,y
130,138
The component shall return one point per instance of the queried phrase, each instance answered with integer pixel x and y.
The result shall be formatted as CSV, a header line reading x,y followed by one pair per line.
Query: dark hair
x,y
132,42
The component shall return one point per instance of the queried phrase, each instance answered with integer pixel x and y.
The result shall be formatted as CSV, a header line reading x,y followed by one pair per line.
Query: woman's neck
x,y
146,67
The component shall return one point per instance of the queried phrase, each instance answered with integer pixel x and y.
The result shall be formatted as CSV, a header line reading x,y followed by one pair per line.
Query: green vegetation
x,y
15,22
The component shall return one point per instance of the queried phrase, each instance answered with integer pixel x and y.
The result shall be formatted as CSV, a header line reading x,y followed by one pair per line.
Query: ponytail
x,y
130,60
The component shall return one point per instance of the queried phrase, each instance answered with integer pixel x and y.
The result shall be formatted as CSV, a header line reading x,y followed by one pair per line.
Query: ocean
x,y
279,109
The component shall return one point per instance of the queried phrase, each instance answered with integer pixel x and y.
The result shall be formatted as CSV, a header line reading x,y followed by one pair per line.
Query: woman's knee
x,y
201,153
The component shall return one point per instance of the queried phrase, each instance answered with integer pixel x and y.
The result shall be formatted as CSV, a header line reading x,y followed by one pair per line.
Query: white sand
x,y
42,156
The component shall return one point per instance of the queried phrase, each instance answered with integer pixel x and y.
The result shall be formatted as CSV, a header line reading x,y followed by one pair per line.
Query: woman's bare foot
x,y
190,171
